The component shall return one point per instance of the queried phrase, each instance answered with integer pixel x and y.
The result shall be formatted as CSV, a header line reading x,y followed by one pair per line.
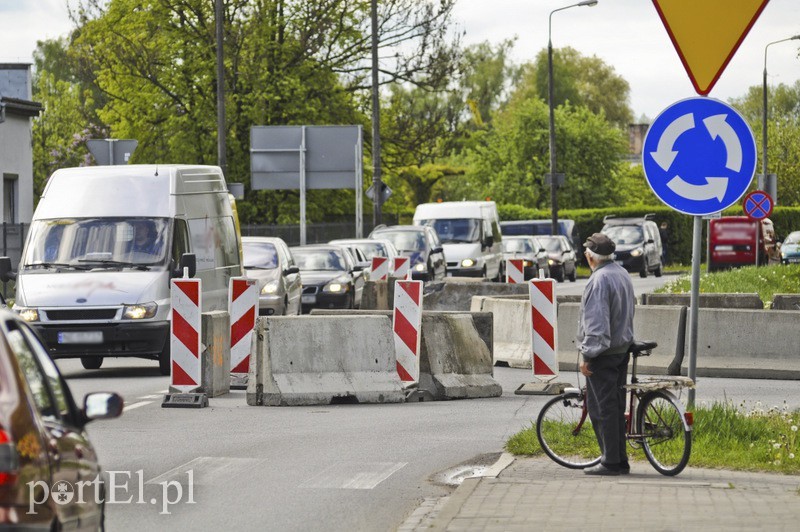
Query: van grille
x,y
81,314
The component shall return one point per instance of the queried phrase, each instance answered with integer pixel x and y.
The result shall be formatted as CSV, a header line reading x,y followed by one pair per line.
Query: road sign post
x,y
757,205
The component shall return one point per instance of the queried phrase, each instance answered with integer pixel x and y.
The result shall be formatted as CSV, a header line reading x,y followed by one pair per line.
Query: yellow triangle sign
x,y
706,34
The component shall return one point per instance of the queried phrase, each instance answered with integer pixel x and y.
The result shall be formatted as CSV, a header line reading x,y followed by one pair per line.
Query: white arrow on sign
x,y
664,155
718,127
715,187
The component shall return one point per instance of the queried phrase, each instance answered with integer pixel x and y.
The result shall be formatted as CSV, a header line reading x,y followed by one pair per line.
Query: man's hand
x,y
585,371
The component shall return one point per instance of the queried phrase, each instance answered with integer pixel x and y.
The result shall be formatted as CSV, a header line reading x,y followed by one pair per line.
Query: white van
x,y
94,277
470,235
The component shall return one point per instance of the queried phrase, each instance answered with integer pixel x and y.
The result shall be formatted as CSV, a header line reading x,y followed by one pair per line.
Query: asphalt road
x,y
332,467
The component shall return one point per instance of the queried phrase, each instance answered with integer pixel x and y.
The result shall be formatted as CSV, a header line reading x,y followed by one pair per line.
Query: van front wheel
x,y
92,362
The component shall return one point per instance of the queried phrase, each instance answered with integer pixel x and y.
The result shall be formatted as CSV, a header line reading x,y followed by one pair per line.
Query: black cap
x,y
600,244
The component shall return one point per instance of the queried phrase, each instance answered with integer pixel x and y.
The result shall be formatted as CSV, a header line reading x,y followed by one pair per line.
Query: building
x,y
16,142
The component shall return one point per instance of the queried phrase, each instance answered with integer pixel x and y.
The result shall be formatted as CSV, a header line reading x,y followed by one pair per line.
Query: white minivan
x,y
104,243
470,235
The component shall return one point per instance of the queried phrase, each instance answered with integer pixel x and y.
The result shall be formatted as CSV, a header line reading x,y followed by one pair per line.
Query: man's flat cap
x,y
600,244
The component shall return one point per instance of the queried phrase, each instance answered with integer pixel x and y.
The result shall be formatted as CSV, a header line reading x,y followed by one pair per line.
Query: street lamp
x,y
762,181
553,178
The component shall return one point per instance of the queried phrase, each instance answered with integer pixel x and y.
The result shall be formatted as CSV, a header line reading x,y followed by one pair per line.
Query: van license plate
x,y
80,337
308,300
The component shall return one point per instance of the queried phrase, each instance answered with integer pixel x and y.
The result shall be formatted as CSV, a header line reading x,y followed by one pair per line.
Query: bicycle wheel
x,y
565,432
666,442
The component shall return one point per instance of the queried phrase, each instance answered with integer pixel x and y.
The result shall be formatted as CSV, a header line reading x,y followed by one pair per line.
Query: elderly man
x,y
605,332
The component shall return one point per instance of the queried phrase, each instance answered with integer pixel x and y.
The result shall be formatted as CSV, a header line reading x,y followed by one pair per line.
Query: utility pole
x,y
221,129
376,120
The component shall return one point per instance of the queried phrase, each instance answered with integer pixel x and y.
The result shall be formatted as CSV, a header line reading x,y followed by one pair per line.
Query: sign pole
x,y
694,303
303,188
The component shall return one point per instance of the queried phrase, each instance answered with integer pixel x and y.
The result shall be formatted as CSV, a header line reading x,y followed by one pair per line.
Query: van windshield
x,y
624,234
456,230
84,243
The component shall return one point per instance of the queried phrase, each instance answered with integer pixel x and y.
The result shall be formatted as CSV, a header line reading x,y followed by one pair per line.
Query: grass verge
x,y
725,436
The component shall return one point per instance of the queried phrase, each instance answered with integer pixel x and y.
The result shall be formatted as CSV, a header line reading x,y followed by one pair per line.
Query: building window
x,y
10,192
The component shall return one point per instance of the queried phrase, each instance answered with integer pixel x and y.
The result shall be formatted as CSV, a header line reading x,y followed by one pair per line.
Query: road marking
x,y
137,405
354,475
151,396
208,469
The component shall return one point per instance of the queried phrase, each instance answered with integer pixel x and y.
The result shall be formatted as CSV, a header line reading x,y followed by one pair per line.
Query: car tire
x,y
643,273
285,306
560,275
165,360
91,362
574,275
659,271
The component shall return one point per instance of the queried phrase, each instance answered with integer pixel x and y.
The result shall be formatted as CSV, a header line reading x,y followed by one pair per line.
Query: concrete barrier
x,y
454,362
741,301
378,295
512,329
456,356
313,360
457,295
215,365
748,344
785,302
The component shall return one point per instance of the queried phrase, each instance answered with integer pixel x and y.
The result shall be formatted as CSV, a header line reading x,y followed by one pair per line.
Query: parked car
x,y
421,245
790,249
269,261
732,243
531,251
370,248
43,439
566,227
561,257
639,247
329,277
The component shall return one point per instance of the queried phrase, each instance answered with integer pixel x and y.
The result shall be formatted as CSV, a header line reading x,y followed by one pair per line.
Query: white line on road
x,y
208,469
354,475
137,405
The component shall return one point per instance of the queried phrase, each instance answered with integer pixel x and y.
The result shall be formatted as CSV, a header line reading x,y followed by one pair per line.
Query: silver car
x,y
370,247
269,261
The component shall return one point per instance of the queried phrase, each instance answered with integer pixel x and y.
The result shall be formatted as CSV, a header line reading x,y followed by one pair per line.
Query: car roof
x,y
264,239
416,228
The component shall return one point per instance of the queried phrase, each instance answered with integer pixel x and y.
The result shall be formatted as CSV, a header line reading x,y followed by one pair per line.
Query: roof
x,y
19,107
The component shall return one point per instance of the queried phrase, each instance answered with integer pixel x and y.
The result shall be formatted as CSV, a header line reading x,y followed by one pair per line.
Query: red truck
x,y
732,242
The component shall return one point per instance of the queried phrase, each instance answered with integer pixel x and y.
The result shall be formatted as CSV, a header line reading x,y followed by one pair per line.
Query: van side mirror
x,y
188,260
6,273
489,242
291,270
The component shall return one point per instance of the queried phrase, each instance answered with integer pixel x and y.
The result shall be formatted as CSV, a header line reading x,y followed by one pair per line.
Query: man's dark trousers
x,y
606,405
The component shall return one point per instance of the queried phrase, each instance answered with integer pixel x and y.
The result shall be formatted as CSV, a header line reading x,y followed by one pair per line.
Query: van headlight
x,y
337,286
139,312
271,287
28,314
420,267
636,252
468,263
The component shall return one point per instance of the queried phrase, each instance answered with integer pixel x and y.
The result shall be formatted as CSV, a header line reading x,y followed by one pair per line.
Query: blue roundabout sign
x,y
699,156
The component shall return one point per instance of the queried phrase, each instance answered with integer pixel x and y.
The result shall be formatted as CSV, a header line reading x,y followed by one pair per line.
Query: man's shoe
x,y
601,470
624,468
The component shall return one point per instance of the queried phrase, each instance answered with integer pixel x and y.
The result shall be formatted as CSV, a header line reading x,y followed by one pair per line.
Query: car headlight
x,y
28,314
636,252
420,267
140,311
552,262
527,263
337,286
271,287
468,263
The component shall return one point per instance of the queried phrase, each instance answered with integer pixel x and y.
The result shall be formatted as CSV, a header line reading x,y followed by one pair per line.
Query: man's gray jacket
x,y
607,307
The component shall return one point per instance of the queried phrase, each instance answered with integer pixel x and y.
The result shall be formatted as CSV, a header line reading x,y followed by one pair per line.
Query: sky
x,y
626,34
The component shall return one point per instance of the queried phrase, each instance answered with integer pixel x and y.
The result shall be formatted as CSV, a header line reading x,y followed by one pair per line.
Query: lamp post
x,y
553,179
762,181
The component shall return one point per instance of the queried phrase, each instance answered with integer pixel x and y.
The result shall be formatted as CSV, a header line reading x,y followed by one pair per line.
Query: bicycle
x,y
656,421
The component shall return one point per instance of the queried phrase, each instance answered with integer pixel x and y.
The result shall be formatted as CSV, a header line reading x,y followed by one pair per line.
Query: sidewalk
x,y
538,494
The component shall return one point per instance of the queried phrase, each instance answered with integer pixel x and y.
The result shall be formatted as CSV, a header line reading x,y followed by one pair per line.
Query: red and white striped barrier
x,y
402,268
544,333
406,325
242,305
515,271
380,269
186,297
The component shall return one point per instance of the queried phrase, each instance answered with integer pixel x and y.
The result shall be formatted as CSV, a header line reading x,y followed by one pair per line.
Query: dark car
x,y
790,248
269,261
638,244
329,275
44,448
532,253
561,257
421,245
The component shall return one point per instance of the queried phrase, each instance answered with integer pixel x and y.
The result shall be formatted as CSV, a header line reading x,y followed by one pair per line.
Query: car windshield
x,y
319,259
261,255
405,240
372,250
517,245
456,230
83,243
793,238
551,244
624,234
